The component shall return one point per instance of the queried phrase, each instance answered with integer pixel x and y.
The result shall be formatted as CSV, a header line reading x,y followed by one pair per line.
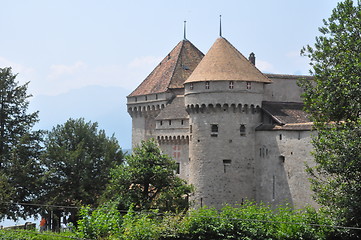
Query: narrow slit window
x,y
226,164
190,129
191,86
161,123
242,130
170,122
231,84
182,122
178,168
249,86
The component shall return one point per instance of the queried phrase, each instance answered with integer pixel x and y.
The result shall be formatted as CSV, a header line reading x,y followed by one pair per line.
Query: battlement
x,y
245,108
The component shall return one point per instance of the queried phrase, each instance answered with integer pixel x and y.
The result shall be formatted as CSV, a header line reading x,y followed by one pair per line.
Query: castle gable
x,y
174,110
172,71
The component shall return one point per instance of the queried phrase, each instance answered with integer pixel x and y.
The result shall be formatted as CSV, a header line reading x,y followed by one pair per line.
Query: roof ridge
x,y
175,65
247,60
223,62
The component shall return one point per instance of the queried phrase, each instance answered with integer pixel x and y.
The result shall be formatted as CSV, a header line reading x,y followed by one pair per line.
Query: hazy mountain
x,y
105,105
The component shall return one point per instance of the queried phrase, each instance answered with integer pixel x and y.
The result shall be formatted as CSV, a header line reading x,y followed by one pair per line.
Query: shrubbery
x,y
249,221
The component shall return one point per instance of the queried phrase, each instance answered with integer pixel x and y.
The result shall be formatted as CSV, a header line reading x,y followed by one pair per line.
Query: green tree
x,y
77,160
147,180
333,100
20,147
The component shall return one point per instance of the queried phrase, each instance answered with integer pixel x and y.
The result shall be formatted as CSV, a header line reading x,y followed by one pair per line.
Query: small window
x,y
207,85
191,86
135,99
214,130
178,168
146,98
170,122
231,84
282,158
242,130
190,129
249,86
156,97
226,164
280,136
182,122
161,123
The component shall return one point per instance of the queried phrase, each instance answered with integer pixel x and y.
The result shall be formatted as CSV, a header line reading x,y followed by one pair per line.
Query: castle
x,y
236,133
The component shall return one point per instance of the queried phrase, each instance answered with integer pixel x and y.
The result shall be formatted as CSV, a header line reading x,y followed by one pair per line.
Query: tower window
x,y
214,130
226,163
191,86
190,129
170,122
178,168
161,123
182,122
231,84
249,86
207,85
156,96
242,130
280,136
135,99
146,98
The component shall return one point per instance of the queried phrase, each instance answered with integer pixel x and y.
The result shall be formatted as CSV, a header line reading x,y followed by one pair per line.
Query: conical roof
x,y
224,62
172,71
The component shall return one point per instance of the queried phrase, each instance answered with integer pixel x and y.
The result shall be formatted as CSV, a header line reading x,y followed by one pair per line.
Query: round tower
x,y
223,97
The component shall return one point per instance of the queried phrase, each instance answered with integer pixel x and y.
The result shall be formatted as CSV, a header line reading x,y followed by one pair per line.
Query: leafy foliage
x,y
335,94
20,147
77,162
33,235
105,221
334,102
250,221
147,179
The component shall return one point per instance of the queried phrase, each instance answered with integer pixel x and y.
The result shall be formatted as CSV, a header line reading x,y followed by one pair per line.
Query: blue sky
x,y
82,57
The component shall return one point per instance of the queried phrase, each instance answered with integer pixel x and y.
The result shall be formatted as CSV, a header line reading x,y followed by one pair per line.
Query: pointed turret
x,y
172,71
224,62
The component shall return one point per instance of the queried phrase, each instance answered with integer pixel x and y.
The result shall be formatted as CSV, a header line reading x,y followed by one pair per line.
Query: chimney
x,y
252,58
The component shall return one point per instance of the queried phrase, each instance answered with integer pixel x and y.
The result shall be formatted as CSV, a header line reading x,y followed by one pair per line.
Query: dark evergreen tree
x,y
19,148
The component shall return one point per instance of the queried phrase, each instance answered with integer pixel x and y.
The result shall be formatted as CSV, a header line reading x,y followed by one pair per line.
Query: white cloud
x,y
62,78
16,67
265,66
58,70
145,61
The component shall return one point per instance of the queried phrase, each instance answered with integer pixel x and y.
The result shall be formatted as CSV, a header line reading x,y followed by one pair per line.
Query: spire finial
x,y
185,24
220,25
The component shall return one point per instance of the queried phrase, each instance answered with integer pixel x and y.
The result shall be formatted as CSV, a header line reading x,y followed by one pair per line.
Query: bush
x,y
246,222
103,222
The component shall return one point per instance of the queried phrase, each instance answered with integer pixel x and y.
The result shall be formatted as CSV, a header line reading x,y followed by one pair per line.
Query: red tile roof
x,y
172,71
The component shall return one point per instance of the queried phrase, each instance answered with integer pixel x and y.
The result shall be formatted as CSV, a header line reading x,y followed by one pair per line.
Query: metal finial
x,y
220,25
185,24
